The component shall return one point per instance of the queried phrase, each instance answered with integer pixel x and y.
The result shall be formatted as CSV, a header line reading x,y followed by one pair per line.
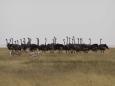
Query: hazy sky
x,y
45,18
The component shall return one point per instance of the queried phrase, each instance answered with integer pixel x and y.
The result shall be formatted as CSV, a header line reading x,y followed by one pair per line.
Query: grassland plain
x,y
84,69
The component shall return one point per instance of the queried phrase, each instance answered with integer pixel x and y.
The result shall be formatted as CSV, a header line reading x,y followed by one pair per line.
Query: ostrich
x,y
12,47
93,47
77,47
9,46
70,45
87,47
83,47
32,48
58,46
102,47
23,45
43,47
17,47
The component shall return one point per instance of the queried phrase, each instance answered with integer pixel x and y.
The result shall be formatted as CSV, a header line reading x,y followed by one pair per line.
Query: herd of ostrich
x,y
69,45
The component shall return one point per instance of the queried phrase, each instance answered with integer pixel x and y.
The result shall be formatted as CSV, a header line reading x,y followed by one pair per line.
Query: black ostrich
x,y
75,47
67,45
23,45
8,44
102,47
17,48
43,47
72,46
32,48
58,46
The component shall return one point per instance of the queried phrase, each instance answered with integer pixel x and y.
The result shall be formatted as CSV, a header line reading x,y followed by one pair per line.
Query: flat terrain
x,y
92,69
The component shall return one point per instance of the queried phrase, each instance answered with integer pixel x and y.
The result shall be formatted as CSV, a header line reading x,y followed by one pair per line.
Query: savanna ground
x,y
92,69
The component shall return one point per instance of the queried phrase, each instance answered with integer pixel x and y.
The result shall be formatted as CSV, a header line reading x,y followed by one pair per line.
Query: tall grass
x,y
92,69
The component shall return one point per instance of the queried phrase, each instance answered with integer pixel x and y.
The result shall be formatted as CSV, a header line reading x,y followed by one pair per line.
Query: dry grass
x,y
92,69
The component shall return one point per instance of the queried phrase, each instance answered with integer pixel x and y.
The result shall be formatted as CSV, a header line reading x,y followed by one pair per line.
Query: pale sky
x,y
93,19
